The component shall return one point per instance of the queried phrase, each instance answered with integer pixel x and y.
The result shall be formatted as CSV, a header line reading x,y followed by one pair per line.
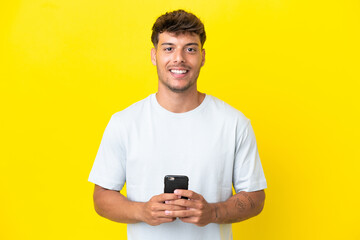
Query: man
x,y
178,131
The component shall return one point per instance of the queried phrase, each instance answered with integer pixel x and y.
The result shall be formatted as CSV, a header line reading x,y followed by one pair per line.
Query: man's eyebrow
x,y
188,44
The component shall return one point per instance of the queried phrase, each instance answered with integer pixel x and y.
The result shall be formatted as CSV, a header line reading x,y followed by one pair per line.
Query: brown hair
x,y
178,22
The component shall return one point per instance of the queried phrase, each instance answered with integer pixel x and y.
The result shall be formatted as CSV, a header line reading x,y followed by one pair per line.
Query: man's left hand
x,y
198,210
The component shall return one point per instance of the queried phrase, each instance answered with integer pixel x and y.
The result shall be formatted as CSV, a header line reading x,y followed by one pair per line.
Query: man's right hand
x,y
154,210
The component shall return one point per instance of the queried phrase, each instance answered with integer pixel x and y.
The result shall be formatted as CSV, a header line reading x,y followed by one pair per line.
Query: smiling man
x,y
178,131
178,59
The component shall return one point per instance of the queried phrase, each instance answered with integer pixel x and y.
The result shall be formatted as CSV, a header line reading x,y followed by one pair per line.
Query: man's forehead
x,y
179,36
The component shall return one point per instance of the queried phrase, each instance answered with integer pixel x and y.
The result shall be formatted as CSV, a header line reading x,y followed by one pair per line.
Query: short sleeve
x,y
248,173
108,170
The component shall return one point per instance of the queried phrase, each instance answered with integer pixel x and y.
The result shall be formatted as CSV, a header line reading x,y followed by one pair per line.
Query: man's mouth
x,y
178,71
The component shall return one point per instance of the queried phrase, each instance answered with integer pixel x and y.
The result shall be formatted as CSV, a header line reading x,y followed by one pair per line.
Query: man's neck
x,y
179,102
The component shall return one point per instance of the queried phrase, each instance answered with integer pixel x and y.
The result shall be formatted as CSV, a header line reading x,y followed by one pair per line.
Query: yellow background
x,y
292,67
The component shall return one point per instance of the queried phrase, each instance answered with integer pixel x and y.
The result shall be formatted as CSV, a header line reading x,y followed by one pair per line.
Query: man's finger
x,y
188,219
165,197
181,214
188,193
170,207
183,203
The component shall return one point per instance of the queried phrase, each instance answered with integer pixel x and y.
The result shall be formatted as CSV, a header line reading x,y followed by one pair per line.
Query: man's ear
x,y
153,56
203,57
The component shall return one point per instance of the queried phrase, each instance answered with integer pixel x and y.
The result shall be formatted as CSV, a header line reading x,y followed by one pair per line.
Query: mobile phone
x,y
173,182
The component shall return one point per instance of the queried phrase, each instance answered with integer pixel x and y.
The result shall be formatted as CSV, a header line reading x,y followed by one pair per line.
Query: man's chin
x,y
179,89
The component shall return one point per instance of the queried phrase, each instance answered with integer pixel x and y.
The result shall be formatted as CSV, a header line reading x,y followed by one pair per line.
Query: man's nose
x,y
179,56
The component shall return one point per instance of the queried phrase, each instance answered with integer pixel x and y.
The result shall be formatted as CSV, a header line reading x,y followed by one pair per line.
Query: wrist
x,y
214,212
139,211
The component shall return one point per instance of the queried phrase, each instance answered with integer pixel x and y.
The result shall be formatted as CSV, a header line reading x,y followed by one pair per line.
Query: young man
x,y
178,131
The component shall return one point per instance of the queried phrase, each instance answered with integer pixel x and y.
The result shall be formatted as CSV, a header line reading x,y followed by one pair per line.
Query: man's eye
x,y
168,49
191,50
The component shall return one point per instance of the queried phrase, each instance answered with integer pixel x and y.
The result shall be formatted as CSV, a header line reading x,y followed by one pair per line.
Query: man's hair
x,y
178,22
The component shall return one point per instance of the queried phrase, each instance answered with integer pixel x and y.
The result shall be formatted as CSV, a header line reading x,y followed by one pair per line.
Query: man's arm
x,y
116,207
239,207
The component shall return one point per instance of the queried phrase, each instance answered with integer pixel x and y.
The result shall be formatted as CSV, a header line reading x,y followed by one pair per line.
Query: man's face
x,y
178,59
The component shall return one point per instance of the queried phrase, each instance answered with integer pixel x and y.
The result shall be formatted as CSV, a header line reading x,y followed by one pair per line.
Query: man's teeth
x,y
178,71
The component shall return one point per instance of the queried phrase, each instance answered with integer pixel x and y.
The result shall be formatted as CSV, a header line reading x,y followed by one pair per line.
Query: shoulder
x,y
225,113
236,119
133,111
225,110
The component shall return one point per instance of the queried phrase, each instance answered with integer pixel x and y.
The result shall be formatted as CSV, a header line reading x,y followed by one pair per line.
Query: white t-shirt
x,y
214,145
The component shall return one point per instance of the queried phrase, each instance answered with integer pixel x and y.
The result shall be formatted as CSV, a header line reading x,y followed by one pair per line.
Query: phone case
x,y
173,182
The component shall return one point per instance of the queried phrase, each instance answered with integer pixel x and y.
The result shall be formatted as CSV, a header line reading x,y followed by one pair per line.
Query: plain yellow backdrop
x,y
292,67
